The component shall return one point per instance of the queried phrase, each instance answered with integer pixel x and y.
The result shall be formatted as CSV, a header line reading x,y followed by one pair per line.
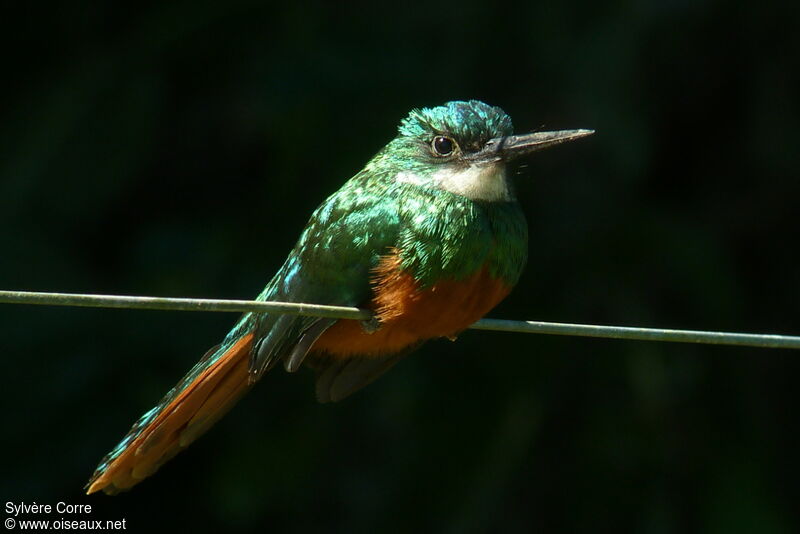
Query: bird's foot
x,y
371,325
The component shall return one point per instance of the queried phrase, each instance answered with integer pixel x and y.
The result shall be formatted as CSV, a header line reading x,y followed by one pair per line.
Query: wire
x,y
346,312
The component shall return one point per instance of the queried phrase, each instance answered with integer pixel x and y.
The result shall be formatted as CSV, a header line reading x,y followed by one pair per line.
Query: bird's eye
x,y
443,146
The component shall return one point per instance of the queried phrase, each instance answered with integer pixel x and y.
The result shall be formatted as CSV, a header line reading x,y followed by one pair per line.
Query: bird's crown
x,y
470,123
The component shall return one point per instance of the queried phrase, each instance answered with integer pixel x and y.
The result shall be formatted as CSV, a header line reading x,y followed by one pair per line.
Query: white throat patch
x,y
476,182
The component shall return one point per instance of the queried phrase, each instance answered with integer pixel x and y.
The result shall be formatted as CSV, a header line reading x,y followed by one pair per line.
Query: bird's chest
x,y
409,313
443,274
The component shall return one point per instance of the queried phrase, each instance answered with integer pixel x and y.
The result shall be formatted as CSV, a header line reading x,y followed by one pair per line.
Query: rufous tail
x,y
204,395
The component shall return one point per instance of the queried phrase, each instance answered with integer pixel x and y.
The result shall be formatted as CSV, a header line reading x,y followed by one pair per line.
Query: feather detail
x,y
409,314
191,408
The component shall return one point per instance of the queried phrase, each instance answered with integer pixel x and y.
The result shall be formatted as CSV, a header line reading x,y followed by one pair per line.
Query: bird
x,y
428,236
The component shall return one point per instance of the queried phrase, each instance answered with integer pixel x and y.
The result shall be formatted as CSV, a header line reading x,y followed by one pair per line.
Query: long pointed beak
x,y
514,146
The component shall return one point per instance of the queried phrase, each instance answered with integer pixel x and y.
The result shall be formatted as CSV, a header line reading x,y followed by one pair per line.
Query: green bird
x,y
429,236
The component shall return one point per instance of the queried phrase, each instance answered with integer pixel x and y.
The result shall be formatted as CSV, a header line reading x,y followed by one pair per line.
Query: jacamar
x,y
429,236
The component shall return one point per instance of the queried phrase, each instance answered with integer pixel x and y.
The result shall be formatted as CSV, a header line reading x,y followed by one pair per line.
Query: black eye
x,y
443,146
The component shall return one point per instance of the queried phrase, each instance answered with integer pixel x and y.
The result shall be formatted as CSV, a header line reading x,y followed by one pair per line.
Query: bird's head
x,y
463,148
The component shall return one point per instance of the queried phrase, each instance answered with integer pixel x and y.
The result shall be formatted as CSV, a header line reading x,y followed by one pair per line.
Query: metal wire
x,y
346,312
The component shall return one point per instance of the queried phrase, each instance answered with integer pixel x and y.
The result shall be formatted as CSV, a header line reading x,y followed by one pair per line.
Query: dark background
x,y
178,149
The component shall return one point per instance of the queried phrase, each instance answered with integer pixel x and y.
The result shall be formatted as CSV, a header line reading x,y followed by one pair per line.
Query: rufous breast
x,y
409,314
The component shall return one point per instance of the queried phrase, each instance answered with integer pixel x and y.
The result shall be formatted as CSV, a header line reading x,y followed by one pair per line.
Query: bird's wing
x,y
330,264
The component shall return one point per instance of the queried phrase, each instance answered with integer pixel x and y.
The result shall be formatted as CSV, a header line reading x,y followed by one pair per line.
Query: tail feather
x,y
210,389
219,402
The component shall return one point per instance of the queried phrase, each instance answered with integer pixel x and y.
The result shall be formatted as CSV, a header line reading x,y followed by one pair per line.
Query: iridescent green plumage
x,y
439,234
431,218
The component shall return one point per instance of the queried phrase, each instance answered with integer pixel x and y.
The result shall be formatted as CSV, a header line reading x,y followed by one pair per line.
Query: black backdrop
x,y
178,149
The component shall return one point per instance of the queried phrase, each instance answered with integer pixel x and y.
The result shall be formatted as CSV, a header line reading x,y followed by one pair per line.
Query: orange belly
x,y
409,314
